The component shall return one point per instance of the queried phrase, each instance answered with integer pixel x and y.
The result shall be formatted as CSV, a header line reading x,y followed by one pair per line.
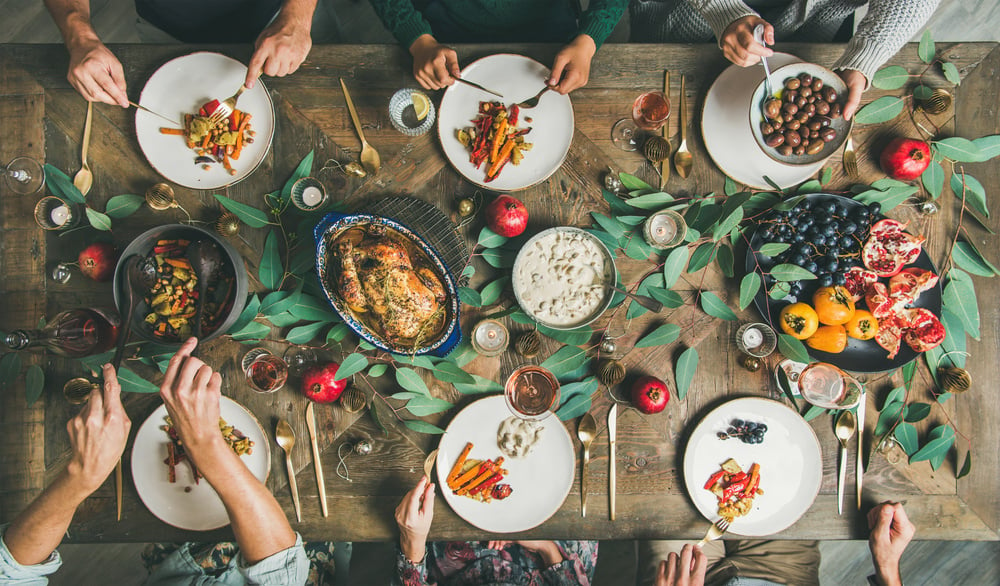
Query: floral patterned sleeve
x,y
577,567
409,573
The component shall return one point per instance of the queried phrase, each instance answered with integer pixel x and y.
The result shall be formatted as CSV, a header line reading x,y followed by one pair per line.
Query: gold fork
x,y
850,159
225,108
715,531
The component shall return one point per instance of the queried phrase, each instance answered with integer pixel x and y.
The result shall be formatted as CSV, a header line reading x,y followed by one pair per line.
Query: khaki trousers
x,y
795,563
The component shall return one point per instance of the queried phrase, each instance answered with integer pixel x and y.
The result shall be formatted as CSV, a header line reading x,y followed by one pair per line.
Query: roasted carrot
x,y
472,473
181,263
205,141
459,463
482,477
227,164
499,136
496,165
177,131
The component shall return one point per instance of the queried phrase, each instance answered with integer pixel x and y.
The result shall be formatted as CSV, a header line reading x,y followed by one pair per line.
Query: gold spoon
x,y
84,179
586,431
683,157
286,439
845,428
429,463
369,156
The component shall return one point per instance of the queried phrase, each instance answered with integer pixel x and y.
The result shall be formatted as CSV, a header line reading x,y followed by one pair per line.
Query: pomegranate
x,y
507,216
905,158
97,261
910,283
318,383
879,302
650,394
858,282
889,248
925,330
889,334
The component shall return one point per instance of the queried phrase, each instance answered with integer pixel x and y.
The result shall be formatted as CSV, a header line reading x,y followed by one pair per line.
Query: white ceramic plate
x,y
541,480
728,137
180,87
790,458
201,509
517,78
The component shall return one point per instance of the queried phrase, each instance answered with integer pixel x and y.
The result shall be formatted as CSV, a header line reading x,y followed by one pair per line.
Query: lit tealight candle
x,y
490,337
60,215
752,338
662,230
312,196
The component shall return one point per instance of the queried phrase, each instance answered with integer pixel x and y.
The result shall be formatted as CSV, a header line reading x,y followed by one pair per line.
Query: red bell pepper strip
x,y
734,489
713,479
497,477
512,116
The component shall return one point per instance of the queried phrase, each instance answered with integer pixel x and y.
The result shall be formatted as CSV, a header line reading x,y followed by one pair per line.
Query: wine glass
x,y
532,393
265,372
825,385
24,175
649,112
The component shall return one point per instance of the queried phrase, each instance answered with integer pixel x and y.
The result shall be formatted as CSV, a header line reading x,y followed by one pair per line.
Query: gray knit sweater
x,y
888,25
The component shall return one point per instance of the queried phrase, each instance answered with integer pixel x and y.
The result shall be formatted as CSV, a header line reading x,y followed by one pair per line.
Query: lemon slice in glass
x,y
421,105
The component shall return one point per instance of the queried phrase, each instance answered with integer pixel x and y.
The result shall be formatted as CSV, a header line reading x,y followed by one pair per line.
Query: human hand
x,y
191,392
434,65
548,550
280,48
414,515
856,83
738,44
571,68
891,533
687,569
98,434
96,73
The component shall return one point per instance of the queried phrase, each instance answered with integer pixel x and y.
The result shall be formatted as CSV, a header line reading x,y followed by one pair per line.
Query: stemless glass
x,y
24,175
532,392
649,112
266,373
825,385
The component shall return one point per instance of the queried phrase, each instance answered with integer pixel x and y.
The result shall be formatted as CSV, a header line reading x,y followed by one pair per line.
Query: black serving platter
x,y
860,355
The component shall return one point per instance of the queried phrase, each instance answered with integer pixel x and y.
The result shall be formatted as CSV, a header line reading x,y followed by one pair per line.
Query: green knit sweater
x,y
406,23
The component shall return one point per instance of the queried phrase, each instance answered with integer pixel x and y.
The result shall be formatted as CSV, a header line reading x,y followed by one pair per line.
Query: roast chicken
x,y
393,290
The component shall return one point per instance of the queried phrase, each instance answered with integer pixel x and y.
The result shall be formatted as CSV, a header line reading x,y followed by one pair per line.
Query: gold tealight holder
x,y
938,102
308,194
77,390
664,229
52,213
656,149
161,197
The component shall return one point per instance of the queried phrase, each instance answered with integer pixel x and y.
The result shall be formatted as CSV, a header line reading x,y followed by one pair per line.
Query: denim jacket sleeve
x,y
15,574
289,567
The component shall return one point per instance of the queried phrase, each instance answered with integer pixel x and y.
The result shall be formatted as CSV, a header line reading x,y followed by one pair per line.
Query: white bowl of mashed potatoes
x,y
562,278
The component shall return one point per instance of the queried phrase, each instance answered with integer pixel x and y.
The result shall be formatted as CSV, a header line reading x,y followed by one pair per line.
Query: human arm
x,y
888,25
434,65
571,67
891,532
414,516
686,569
191,392
93,70
284,44
97,436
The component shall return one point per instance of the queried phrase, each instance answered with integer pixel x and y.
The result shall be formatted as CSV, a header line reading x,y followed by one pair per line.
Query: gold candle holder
x,y
52,213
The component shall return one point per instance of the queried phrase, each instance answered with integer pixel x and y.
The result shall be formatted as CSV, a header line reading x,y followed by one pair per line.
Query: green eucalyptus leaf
x,y
881,110
925,50
710,214
61,186
701,256
633,183
586,387
716,307
282,319
811,186
974,192
724,258
421,426
337,333
917,412
788,204
410,380
922,93
989,146
906,435
565,360
780,290
954,341
351,364
826,175
638,249
897,394
650,201
661,336
790,272
792,348
890,78
574,407
98,220
749,287
310,308
687,364
498,258
304,334
10,368
951,73
674,265
610,241
730,187
123,205
888,198
490,239
480,386
774,248
270,271
940,441
133,383
631,220
958,149
249,215
254,330
813,412
572,337
725,226
491,292
967,257
908,371
34,384
377,370
888,417
761,200
303,169
966,466
423,406
669,299
960,298
470,297
449,372
617,205
612,226
404,395
933,179
468,271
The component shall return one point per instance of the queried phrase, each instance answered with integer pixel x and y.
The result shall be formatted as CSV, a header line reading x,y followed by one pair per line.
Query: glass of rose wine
x,y
649,112
825,385
532,392
266,373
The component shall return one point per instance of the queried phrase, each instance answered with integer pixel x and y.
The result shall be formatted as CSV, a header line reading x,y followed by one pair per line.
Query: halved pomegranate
x,y
878,301
924,330
911,282
858,282
889,248
889,335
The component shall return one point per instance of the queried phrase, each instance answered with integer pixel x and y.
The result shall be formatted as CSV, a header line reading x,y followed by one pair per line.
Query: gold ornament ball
x,y
928,208
954,379
228,224
527,344
751,363
161,197
466,207
608,346
610,372
611,181
656,149
353,400
77,390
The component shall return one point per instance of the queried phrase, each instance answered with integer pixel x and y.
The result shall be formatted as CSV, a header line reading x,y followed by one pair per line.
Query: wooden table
x,y
42,116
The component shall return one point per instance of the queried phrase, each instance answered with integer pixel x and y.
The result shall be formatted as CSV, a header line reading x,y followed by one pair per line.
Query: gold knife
x,y
477,86
612,439
665,133
859,470
145,109
320,484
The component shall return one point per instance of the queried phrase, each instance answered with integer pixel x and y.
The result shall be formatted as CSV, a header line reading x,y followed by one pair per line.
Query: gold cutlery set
x,y
586,431
285,437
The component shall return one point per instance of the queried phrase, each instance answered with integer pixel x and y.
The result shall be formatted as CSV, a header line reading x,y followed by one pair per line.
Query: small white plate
x,y
541,480
517,78
180,87
199,509
790,458
729,139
